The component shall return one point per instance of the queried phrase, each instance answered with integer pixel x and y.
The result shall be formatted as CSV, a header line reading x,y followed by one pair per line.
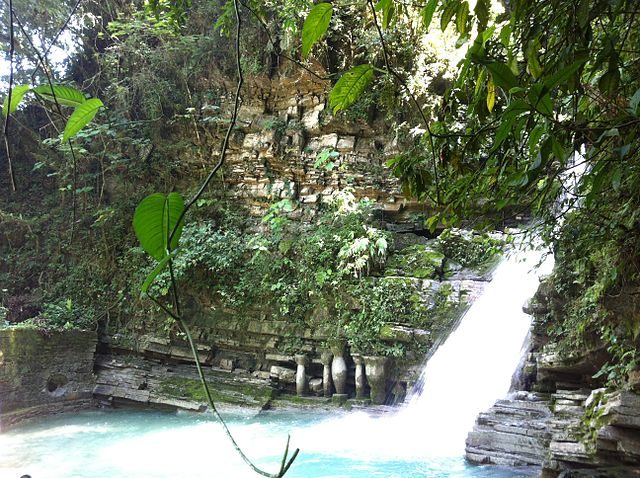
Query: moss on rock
x,y
417,260
231,393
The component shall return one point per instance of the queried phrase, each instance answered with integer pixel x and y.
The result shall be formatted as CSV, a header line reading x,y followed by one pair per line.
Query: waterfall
x,y
465,376
474,366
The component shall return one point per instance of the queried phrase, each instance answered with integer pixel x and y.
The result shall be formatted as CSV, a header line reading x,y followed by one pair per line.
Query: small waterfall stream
x,y
475,365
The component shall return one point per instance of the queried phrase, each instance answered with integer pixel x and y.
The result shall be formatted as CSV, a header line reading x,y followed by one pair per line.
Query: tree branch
x,y
12,48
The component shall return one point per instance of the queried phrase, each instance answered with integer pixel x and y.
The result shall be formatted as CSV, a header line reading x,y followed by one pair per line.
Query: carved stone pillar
x,y
377,370
302,386
327,383
360,379
339,368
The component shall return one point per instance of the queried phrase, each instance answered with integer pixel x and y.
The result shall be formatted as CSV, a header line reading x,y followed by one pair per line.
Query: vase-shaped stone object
x,y
376,369
339,368
360,378
327,382
302,386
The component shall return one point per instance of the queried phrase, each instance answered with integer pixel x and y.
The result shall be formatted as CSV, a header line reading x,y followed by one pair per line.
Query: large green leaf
x,y
65,95
540,100
17,93
563,74
505,34
583,12
81,117
502,76
491,95
350,86
157,270
427,13
315,26
503,131
155,219
532,61
608,83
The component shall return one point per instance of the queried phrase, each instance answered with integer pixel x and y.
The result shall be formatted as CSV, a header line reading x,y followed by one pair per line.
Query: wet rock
x,y
282,374
514,432
316,386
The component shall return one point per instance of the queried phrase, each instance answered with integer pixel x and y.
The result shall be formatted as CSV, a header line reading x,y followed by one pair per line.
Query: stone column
x,y
327,383
360,379
377,370
339,368
302,386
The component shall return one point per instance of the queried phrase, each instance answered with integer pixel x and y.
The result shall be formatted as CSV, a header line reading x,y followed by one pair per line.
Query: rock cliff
x,y
560,419
42,373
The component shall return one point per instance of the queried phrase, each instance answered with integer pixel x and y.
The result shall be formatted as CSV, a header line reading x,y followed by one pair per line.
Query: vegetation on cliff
x,y
544,89
540,119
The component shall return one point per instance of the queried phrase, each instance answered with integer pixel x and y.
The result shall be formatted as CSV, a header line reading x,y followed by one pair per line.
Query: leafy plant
x,y
361,254
350,87
315,26
84,109
324,160
468,249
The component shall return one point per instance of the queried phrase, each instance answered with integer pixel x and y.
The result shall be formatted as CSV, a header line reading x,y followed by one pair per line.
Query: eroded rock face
x,y
514,432
128,380
284,124
44,373
256,344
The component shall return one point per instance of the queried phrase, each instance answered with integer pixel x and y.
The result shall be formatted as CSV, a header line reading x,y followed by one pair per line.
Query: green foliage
x,y
593,419
386,302
84,110
173,12
64,95
17,94
220,254
324,159
387,8
468,249
58,315
155,222
81,116
502,76
317,275
427,13
68,315
623,352
276,217
363,252
593,303
162,264
350,87
315,26
418,260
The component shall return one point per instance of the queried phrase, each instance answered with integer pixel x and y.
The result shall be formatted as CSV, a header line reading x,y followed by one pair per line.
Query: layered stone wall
x,y
252,346
283,125
44,372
